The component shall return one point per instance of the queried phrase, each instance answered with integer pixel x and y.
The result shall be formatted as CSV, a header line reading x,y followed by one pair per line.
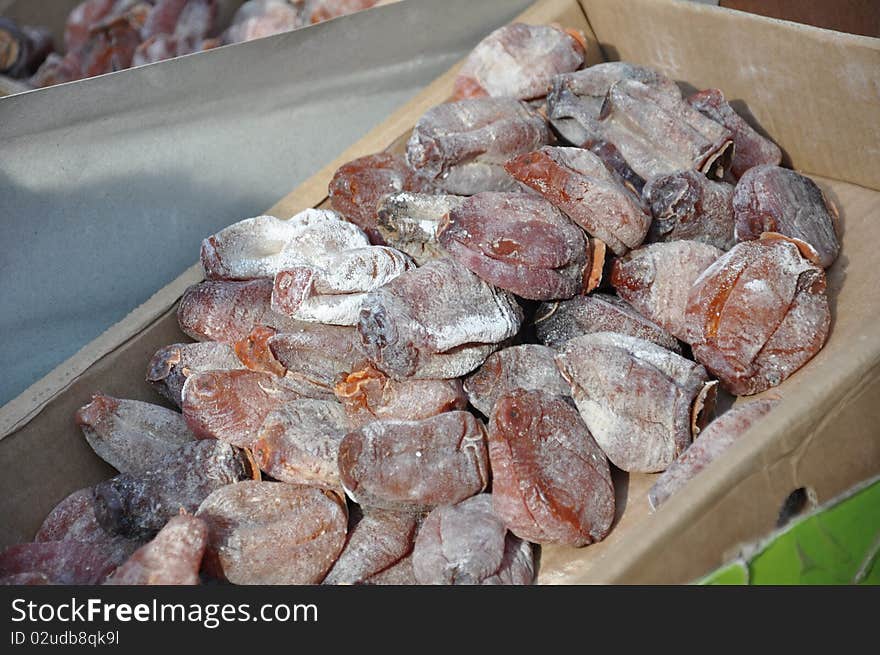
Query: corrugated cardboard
x,y
823,435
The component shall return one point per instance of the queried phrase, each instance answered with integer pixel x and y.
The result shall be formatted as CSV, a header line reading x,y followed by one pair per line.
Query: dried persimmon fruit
x,y
415,465
272,533
467,544
637,398
758,314
411,221
172,365
550,480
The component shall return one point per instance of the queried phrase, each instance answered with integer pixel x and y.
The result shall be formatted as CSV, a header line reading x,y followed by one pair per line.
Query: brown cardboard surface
x,y
824,434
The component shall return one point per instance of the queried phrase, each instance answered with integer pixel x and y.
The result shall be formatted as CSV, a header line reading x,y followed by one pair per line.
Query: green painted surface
x,y
837,544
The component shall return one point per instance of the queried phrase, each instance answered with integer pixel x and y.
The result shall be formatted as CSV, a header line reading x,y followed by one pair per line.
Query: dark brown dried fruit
x,y
299,442
776,199
414,465
378,541
139,506
227,311
461,146
369,395
357,187
130,435
556,323
436,321
467,544
173,557
656,279
518,61
73,519
316,356
62,562
272,533
689,206
23,49
758,314
749,148
232,405
172,365
636,398
576,99
529,366
614,162
518,242
579,183
718,436
550,481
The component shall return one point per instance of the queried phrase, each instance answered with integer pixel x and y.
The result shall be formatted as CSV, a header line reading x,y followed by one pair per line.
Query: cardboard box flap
x,y
814,91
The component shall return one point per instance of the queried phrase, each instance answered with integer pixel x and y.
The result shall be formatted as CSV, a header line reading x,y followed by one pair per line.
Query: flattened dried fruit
x,y
689,206
85,16
357,187
334,292
656,279
62,562
316,356
467,544
579,183
636,398
518,61
529,366
776,199
410,222
758,314
139,506
369,395
414,465
173,557
23,49
232,405
130,435
749,148
379,540
556,323
550,481
172,365
227,311
299,442
260,247
718,436
576,99
461,146
436,321
518,242
272,533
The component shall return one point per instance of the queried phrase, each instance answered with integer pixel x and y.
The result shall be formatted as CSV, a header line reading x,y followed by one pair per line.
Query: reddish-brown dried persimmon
x,y
637,399
557,322
172,365
414,465
357,187
173,557
528,366
369,395
775,199
272,533
550,481
518,242
758,314
656,279
467,544
232,405
718,436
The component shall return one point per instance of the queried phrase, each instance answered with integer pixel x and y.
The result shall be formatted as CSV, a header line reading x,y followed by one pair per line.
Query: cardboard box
x,y
815,92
